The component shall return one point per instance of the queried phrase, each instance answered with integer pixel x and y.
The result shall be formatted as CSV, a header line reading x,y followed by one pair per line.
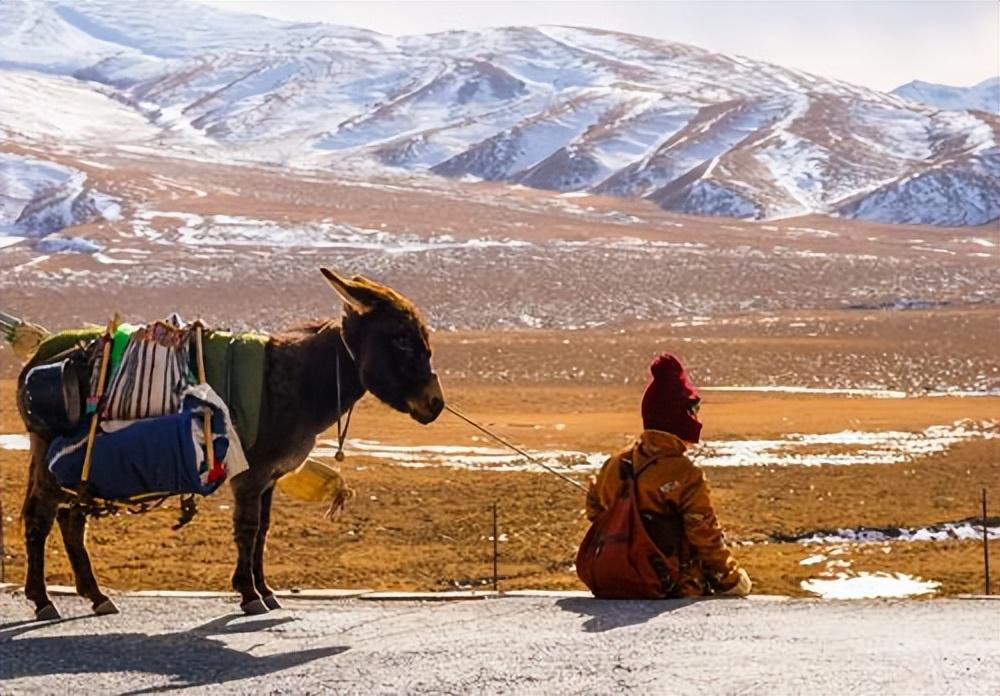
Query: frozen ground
x,y
557,644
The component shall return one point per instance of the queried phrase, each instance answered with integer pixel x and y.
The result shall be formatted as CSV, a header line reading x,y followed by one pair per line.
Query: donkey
x,y
314,374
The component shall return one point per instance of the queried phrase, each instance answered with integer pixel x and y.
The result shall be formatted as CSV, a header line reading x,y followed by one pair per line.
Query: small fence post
x,y
496,550
986,548
3,549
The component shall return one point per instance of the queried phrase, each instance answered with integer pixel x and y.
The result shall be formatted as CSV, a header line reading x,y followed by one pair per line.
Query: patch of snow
x,y
108,207
864,447
51,108
55,244
107,260
962,531
866,585
811,231
464,457
780,389
15,442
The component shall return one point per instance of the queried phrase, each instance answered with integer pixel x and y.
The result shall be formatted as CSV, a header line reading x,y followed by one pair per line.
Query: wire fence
x,y
486,547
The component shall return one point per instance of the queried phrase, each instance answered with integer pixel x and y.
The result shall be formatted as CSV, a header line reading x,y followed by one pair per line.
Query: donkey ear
x,y
353,296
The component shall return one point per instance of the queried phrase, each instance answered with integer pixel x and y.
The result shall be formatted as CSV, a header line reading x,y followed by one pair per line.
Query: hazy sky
x,y
879,43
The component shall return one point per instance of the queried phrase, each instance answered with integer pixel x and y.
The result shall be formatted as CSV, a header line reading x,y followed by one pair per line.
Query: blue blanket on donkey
x,y
152,455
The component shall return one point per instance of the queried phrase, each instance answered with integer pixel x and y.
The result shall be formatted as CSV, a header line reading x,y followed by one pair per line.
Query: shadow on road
x,y
187,658
608,614
228,624
16,628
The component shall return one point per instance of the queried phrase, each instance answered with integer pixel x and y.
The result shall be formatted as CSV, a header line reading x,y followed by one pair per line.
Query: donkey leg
x,y
41,501
39,514
260,583
73,525
246,522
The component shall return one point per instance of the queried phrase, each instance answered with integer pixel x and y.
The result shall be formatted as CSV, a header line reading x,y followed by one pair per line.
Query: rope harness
x,y
341,431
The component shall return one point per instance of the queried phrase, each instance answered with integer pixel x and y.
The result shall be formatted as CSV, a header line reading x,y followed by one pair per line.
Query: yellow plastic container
x,y
313,481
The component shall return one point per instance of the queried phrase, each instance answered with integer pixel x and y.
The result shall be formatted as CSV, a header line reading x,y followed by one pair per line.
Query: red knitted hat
x,y
667,401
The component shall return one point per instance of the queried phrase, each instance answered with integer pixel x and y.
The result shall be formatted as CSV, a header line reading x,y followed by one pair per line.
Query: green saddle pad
x,y
234,367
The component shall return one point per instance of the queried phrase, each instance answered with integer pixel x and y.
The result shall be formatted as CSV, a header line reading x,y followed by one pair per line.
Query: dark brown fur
x,y
382,346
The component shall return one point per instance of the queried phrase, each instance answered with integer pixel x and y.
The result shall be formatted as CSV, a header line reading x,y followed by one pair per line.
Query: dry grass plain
x,y
428,528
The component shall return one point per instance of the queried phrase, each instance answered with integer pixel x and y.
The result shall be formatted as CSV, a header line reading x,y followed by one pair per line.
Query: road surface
x,y
559,645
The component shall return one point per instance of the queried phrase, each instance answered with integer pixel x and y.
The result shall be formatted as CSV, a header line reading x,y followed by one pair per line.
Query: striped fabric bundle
x,y
152,375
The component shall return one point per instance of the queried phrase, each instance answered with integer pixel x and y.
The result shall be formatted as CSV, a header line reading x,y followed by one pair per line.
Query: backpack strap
x,y
626,470
627,476
626,467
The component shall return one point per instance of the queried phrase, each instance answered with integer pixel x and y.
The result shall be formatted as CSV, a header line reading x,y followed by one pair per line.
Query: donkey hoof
x,y
47,613
106,607
271,602
254,607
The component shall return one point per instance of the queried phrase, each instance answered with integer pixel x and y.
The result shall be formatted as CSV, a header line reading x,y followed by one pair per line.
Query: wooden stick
x,y
986,547
207,418
95,417
8,321
3,549
496,550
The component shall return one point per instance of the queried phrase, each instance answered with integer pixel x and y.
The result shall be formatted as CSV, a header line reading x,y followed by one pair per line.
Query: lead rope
x,y
517,449
341,431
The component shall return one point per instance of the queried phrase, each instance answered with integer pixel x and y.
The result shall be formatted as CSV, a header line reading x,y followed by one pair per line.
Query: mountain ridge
x,y
553,107
983,96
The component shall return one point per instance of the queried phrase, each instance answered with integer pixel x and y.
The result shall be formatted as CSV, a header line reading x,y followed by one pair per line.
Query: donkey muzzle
x,y
426,406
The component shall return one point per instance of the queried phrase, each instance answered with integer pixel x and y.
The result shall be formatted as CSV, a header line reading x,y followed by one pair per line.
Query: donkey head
x,y
390,345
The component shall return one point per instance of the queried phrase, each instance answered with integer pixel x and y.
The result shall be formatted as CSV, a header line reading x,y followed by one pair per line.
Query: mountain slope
x,y
40,197
558,108
984,96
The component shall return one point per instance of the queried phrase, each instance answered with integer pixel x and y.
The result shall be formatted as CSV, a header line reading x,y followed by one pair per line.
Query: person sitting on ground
x,y
672,494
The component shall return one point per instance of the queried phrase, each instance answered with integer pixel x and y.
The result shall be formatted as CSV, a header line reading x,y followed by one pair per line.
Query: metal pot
x,y
50,397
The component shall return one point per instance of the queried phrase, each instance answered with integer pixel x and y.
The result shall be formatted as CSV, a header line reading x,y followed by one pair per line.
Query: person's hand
x,y
742,587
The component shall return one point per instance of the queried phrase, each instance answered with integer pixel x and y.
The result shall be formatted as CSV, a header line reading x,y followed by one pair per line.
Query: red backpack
x,y
617,558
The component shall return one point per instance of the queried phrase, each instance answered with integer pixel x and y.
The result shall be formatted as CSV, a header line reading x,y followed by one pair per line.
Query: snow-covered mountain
x,y
983,97
558,108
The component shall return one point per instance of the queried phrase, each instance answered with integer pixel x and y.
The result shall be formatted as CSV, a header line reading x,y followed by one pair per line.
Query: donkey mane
x,y
308,327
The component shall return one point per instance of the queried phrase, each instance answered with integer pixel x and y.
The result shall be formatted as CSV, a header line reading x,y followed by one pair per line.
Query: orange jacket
x,y
674,490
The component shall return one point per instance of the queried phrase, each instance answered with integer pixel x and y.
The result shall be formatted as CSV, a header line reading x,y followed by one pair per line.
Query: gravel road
x,y
510,645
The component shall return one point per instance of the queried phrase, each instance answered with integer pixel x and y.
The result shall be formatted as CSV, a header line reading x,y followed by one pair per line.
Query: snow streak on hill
x,y
556,108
